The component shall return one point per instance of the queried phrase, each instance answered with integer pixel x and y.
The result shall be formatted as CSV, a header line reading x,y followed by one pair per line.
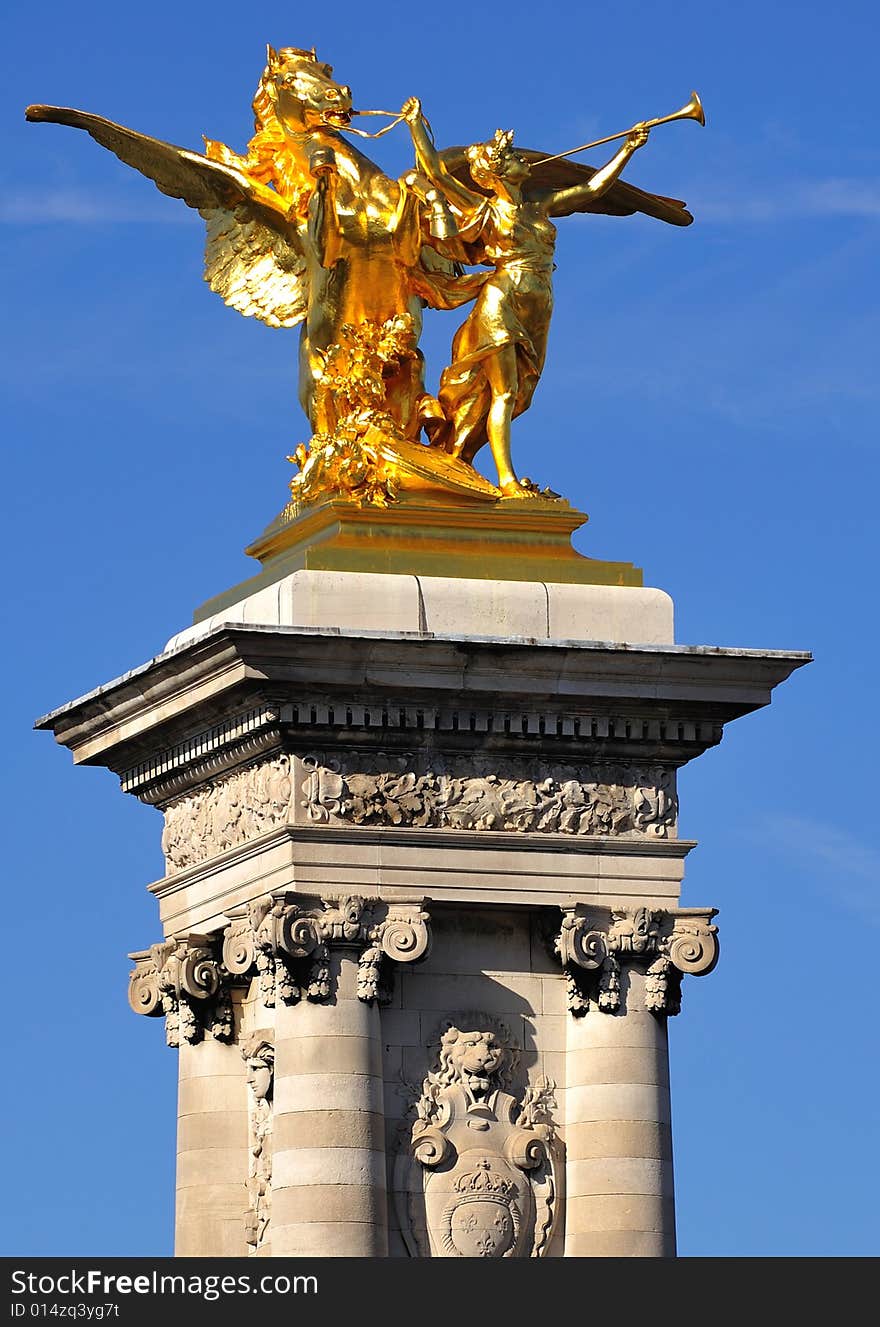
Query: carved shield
x,y
479,1184
480,1209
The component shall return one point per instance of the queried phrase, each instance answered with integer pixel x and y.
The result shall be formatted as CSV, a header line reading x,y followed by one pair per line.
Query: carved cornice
x,y
183,980
523,719
204,755
666,943
211,752
192,687
287,945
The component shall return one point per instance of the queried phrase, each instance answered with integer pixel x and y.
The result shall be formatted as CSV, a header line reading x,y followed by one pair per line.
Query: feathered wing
x,y
254,268
620,200
253,258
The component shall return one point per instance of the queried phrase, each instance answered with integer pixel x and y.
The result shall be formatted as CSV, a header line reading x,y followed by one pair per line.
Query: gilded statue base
x,y
509,540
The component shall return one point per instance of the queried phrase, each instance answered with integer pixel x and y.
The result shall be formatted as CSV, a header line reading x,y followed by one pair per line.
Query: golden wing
x,y
253,255
619,200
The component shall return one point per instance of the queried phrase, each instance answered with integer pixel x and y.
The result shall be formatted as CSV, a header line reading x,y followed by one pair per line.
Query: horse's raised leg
x,y
314,397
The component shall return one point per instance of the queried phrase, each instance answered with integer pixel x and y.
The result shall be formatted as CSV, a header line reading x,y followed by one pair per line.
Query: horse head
x,y
299,89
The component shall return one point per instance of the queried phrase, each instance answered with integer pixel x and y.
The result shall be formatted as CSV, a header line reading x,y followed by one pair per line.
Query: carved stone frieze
x,y
417,791
226,813
288,945
183,980
593,943
479,1177
476,793
258,1052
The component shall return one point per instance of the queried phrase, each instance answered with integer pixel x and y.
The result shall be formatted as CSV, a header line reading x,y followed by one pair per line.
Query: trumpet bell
x,y
692,110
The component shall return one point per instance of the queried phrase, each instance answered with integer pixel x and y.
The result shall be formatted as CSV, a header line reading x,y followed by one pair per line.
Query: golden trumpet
x,y
692,110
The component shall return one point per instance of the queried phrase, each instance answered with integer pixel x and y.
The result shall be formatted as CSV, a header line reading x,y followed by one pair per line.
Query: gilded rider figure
x,y
498,352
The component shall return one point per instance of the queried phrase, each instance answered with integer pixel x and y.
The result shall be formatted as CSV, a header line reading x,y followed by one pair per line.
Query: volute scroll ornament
x,y
693,948
404,935
481,1171
184,980
144,995
578,944
593,943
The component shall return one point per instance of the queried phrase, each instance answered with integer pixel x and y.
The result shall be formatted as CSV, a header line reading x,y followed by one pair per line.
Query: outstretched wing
x,y
620,200
253,258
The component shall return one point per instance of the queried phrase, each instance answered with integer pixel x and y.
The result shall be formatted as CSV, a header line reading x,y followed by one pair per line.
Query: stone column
x,y
618,1136
321,967
212,1152
328,1178
183,979
624,972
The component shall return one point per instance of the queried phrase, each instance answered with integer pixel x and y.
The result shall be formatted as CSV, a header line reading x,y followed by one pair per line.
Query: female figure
x,y
498,353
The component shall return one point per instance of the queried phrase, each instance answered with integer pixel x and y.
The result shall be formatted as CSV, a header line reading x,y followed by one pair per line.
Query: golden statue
x,y
303,228
498,354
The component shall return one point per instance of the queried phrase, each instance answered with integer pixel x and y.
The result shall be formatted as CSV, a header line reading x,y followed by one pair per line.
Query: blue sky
x,y
710,399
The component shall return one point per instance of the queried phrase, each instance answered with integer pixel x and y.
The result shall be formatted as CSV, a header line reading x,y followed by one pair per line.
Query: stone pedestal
x,y
421,917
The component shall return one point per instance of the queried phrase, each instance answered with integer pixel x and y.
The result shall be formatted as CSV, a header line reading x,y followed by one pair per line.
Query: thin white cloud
x,y
75,207
835,196
847,866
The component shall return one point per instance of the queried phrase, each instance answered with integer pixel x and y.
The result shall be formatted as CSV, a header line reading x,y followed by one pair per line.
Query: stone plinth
x,y
421,915
428,536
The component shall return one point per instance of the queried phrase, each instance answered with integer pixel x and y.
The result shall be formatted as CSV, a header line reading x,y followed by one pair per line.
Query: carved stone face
x,y
473,1058
259,1077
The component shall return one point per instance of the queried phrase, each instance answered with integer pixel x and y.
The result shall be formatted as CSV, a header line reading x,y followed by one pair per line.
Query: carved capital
x,y
288,945
667,943
184,980
402,936
262,937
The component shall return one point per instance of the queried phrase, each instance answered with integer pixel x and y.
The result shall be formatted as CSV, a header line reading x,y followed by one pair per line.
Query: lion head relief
x,y
479,1061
